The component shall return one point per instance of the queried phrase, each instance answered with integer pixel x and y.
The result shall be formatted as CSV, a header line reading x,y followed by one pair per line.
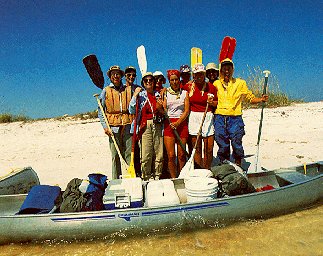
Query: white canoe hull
x,y
89,225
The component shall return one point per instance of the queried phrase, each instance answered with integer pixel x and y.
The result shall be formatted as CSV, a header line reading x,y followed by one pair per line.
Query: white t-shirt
x,y
175,105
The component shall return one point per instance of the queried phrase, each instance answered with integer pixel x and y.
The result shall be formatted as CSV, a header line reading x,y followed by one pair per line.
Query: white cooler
x,y
123,193
161,193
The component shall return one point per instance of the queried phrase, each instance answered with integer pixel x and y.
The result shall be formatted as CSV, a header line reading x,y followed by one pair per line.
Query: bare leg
x,y
198,152
169,143
208,151
181,155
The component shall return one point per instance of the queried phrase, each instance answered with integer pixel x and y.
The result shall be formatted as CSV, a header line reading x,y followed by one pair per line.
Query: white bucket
x,y
199,189
200,173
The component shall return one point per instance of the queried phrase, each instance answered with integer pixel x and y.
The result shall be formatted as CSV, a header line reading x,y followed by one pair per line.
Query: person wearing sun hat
x,y
150,128
212,72
198,92
115,99
185,72
160,80
228,122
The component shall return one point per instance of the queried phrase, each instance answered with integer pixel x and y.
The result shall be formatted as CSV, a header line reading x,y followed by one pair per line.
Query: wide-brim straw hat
x,y
115,68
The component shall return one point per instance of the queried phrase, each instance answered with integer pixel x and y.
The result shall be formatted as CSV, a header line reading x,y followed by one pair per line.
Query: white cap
x,y
198,67
211,65
158,73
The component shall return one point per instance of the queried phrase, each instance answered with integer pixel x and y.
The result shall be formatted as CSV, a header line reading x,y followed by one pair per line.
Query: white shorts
x,y
195,120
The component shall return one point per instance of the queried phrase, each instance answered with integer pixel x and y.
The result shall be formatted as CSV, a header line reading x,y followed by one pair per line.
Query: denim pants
x,y
229,129
124,141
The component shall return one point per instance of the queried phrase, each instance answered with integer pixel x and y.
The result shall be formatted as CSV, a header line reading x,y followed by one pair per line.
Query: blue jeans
x,y
229,129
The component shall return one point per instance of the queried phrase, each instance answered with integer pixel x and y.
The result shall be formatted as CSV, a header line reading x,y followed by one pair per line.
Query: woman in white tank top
x,y
176,102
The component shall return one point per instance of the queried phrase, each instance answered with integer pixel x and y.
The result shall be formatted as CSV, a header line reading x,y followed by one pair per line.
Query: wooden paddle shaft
x,y
107,123
201,126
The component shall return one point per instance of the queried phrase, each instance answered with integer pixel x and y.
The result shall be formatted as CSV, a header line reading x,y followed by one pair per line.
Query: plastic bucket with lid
x,y
199,189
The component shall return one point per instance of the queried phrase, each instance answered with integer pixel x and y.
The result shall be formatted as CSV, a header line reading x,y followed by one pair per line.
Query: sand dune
x,y
61,150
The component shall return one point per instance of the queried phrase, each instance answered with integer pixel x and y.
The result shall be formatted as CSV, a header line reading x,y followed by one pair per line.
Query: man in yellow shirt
x,y
228,122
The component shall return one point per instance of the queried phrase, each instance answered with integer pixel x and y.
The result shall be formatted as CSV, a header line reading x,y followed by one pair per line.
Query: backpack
x,y
231,181
92,200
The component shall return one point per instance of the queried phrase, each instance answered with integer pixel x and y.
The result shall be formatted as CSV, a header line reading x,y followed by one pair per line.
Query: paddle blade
x,y
232,47
131,169
94,70
188,167
142,61
196,56
224,48
227,49
255,165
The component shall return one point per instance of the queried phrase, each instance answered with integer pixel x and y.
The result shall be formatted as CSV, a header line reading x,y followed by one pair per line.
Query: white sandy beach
x,y
61,150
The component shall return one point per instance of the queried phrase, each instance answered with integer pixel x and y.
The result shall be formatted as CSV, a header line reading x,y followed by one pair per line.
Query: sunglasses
x,y
146,80
115,73
130,75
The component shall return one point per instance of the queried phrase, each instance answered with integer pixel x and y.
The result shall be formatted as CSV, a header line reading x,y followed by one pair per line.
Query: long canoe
x,y
18,181
294,189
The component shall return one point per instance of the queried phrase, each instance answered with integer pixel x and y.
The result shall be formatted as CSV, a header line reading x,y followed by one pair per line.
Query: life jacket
x,y
117,103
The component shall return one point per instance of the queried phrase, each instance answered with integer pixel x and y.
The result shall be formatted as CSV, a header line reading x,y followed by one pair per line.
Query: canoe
x,y
18,181
294,189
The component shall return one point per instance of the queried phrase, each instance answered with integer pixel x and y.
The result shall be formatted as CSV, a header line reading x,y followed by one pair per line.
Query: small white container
x,y
161,193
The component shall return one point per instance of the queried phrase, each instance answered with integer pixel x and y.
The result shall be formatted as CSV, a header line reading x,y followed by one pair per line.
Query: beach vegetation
x,y
9,118
277,98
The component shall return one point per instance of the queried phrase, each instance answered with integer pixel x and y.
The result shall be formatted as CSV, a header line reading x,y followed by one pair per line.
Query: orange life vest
x,y
116,106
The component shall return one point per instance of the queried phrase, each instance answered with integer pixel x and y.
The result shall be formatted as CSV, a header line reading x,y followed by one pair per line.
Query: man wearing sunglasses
x,y
115,99
130,75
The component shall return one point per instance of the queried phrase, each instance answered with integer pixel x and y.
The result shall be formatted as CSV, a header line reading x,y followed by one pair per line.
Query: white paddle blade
x,y
188,167
255,165
142,61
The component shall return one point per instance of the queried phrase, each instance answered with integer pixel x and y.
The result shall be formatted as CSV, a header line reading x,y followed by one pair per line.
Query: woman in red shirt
x,y
198,92
151,127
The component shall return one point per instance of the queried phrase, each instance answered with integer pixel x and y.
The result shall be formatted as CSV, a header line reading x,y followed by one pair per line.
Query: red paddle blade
x,y
94,70
227,49
224,48
232,47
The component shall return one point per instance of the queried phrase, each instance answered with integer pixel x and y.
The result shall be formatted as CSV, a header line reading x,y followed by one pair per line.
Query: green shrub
x,y
8,118
255,80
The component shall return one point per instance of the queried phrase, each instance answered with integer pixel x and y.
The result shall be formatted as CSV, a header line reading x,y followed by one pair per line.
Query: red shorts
x,y
182,129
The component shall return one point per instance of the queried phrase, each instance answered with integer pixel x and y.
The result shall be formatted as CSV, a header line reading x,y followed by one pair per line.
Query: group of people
x,y
168,119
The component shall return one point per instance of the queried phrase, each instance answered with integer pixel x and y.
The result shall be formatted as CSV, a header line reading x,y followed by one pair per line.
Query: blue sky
x,y
42,44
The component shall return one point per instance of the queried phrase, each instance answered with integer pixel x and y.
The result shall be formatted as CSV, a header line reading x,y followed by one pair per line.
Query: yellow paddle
x,y
196,56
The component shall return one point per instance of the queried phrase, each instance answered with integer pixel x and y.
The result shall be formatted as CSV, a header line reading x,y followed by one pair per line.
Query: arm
x,y
264,98
100,114
133,101
214,101
102,97
159,104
